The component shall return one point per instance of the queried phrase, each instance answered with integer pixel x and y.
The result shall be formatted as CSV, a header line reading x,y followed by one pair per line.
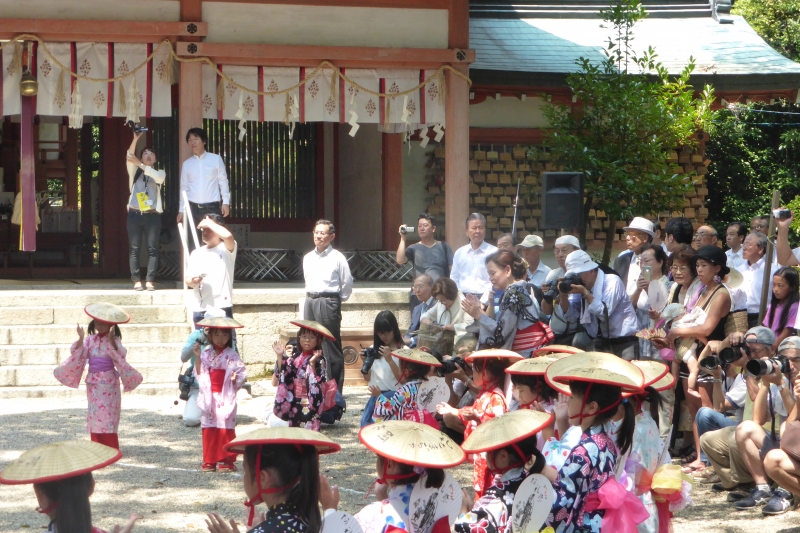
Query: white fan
x,y
340,522
532,503
428,505
657,295
432,392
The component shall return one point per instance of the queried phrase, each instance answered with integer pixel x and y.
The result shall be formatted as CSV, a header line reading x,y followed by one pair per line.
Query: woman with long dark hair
x,y
385,371
782,310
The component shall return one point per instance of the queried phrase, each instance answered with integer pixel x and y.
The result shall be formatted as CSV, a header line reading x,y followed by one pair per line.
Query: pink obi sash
x,y
533,337
100,364
623,510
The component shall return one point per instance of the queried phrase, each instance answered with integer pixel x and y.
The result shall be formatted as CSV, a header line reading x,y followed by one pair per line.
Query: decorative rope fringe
x,y
170,74
122,105
442,87
221,94
16,59
76,112
133,102
59,98
387,116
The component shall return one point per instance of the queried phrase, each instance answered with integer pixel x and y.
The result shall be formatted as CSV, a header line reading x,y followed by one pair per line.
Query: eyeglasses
x,y
703,235
321,233
307,337
675,268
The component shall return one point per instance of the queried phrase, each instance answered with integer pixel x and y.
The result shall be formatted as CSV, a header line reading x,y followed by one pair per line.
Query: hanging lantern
x,y
28,86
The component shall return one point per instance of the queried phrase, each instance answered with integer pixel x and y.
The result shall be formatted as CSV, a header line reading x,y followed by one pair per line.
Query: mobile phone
x,y
647,273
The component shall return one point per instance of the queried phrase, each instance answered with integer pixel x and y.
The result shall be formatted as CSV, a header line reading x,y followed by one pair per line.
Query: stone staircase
x,y
37,328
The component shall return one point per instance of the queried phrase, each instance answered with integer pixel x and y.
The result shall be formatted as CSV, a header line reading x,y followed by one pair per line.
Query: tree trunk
x,y
610,234
587,206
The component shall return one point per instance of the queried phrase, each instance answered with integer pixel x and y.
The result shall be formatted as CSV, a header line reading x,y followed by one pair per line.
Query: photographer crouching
x,y
601,304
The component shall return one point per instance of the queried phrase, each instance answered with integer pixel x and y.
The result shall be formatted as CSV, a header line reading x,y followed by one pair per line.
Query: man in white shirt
x,y
469,261
531,251
637,235
753,251
328,284
734,238
210,269
205,181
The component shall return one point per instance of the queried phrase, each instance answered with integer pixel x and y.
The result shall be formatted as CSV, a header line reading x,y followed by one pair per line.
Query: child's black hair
x,y
288,463
414,371
605,396
528,447
304,331
496,366
435,475
792,278
537,384
385,322
73,513
92,329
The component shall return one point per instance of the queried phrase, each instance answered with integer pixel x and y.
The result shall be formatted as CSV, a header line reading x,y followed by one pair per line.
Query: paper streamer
x,y
354,123
439,133
425,140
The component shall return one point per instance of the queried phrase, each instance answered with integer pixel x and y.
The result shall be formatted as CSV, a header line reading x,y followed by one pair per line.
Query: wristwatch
x,y
781,386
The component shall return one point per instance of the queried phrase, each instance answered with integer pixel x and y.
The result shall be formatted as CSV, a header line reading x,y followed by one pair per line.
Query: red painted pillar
x,y
28,177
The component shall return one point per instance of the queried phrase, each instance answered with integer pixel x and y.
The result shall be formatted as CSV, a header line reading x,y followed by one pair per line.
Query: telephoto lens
x,y
762,367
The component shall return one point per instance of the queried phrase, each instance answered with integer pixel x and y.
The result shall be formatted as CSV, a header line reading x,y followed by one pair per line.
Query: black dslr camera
x,y
185,381
729,355
449,366
370,354
568,281
762,367
135,127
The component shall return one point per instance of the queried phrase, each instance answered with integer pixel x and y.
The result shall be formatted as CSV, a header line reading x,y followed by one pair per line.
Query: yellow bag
x,y
668,479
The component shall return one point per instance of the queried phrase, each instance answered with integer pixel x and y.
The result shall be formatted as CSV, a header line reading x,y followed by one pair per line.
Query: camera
x,y
370,354
449,366
729,355
185,381
136,128
568,281
407,229
781,214
711,362
762,367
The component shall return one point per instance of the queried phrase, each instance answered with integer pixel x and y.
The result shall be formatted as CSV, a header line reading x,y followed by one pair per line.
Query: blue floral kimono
x,y
492,512
393,511
590,464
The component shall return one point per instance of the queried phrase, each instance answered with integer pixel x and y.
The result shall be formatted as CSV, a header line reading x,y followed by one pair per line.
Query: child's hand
x,y
315,357
280,349
444,409
328,497
374,390
79,329
216,524
560,408
128,527
385,352
469,413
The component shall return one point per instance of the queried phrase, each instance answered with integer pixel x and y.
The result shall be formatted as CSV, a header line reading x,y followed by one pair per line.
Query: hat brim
x,y
412,443
283,435
314,326
59,460
535,366
666,382
493,353
108,313
220,323
652,370
505,430
631,228
588,267
416,356
596,367
556,348
733,279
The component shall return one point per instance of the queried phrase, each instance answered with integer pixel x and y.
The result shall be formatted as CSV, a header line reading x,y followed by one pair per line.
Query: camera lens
x,y
710,363
729,355
759,367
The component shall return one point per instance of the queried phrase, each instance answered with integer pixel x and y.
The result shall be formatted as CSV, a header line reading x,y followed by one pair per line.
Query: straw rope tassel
x,y
288,110
387,117
170,71
133,101
60,96
334,85
122,100
442,87
16,59
76,111
221,94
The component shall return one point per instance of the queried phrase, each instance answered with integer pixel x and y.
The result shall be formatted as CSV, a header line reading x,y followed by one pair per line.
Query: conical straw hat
x,y
59,460
220,323
314,326
535,366
556,348
412,443
596,367
505,430
416,356
652,370
283,435
109,313
494,353
665,383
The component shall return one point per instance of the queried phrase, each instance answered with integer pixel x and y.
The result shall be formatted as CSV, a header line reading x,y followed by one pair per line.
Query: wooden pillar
x,y
456,139
71,168
87,224
392,188
190,83
115,138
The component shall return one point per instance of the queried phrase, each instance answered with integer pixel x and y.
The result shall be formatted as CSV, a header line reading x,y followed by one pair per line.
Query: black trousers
x,y
199,212
149,225
328,312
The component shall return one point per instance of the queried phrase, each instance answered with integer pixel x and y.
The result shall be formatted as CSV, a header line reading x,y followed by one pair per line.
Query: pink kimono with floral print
x,y
102,388
489,404
219,408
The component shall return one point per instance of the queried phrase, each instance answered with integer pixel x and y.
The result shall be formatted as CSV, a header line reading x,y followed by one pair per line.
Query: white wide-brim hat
x,y
641,224
579,262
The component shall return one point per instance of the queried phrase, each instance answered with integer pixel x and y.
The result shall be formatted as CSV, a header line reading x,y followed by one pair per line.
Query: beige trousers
x,y
720,447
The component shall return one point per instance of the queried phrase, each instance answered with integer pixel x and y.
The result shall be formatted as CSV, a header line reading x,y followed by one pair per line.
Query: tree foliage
x,y
630,115
776,21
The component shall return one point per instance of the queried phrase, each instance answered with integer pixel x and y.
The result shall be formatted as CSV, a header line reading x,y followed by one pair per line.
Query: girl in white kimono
x,y
104,352
220,373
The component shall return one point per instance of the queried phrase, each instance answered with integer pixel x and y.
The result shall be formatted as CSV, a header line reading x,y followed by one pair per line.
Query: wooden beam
x,y
344,56
404,4
101,30
533,136
392,188
190,104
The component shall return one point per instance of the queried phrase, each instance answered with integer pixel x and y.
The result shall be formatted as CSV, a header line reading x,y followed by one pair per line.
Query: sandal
x,y
150,287
693,469
208,467
138,287
226,467
692,457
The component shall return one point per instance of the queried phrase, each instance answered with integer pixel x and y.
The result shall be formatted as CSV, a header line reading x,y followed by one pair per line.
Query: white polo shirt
x,y
217,264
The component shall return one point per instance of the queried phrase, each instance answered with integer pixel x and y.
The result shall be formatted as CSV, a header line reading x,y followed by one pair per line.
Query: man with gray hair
x,y
423,284
469,261
752,268
563,329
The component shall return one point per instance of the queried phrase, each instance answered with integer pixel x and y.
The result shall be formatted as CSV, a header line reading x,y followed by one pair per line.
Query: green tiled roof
x,y
542,51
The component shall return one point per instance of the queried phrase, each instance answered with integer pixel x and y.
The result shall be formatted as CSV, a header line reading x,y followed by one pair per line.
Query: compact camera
x,y
449,366
407,229
781,214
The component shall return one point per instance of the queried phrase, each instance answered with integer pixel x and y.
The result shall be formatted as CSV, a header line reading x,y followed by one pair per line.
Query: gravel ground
x,y
159,478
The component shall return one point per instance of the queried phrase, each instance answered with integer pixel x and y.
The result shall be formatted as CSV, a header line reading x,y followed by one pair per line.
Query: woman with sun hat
x,y
510,444
588,497
61,474
220,373
411,458
281,470
488,373
105,354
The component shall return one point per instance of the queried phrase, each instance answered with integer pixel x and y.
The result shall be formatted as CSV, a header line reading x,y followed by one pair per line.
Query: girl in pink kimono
x,y
220,373
105,354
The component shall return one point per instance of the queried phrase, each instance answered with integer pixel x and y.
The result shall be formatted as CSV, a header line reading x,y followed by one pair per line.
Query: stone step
x,y
61,334
61,392
55,354
44,315
42,375
81,298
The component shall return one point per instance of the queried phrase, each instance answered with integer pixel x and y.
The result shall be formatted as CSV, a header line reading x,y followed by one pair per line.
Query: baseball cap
x,y
578,262
790,343
569,239
763,335
530,241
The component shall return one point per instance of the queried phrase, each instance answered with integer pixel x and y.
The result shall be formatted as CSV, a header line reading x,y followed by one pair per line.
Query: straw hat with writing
x,y
595,367
505,430
220,323
59,460
555,348
493,353
654,372
666,382
314,326
412,443
109,313
535,366
416,356
283,435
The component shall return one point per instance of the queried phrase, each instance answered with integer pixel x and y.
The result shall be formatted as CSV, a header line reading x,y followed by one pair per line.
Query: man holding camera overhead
x,y
602,306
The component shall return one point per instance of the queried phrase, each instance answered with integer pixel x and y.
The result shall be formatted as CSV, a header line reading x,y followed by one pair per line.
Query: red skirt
x,y
213,441
109,439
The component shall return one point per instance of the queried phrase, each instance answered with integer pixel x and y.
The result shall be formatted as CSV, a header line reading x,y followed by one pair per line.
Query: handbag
x,y
790,440
329,390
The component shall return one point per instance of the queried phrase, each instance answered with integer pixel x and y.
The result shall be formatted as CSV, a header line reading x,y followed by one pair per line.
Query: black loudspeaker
x,y
562,200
